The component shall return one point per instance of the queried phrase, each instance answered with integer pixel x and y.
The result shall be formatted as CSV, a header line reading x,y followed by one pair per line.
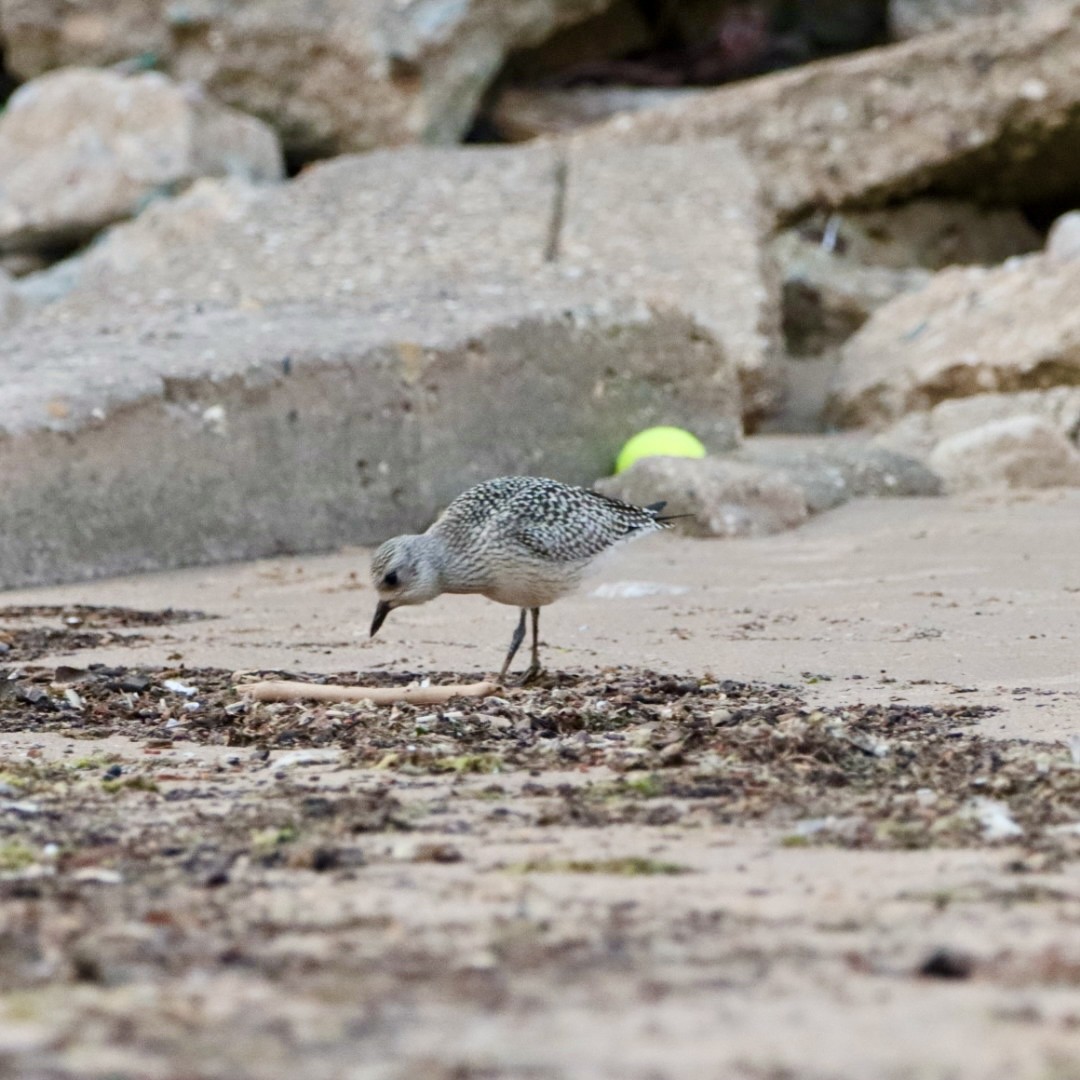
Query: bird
x,y
525,541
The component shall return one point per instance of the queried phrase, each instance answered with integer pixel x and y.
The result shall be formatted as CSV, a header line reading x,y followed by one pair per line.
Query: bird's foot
x,y
531,675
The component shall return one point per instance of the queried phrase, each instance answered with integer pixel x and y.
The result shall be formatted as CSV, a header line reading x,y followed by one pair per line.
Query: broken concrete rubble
x,y
1015,452
969,331
81,149
987,110
412,71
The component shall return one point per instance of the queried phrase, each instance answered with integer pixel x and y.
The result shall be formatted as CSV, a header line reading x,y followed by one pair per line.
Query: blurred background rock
x,y
263,290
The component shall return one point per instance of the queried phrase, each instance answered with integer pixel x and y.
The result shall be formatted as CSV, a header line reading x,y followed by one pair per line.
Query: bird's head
x,y
402,572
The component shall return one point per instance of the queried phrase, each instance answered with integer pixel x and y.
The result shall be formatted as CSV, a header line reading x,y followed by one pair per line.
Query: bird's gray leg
x,y
534,668
515,644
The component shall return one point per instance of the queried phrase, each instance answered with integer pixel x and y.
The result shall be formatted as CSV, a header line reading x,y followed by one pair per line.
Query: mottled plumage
x,y
520,540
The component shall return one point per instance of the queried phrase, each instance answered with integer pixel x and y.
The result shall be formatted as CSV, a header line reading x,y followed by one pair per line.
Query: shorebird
x,y
519,540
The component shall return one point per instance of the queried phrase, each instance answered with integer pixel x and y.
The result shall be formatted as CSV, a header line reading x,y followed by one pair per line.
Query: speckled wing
x,y
563,524
473,511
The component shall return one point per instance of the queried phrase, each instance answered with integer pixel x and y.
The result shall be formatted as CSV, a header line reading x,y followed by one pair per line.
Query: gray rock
x,y
682,229
970,331
353,229
80,149
827,295
40,35
53,283
21,263
330,77
807,380
909,18
1018,452
720,496
619,29
520,113
242,370
918,433
675,226
839,268
831,469
11,303
192,436
928,233
1063,240
840,132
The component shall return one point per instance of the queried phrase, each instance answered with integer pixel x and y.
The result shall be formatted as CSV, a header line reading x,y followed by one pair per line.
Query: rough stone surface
x,y
970,331
721,497
247,370
353,229
909,18
918,433
832,469
839,268
21,263
526,112
333,76
11,303
52,283
928,233
1018,452
673,226
80,149
827,295
40,35
1063,240
683,230
988,110
807,381
191,437
619,29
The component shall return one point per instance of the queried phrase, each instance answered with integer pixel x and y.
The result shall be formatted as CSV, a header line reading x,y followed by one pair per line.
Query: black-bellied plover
x,y
520,540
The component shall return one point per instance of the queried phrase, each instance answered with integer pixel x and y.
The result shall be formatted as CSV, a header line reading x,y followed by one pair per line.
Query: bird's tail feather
x,y
663,519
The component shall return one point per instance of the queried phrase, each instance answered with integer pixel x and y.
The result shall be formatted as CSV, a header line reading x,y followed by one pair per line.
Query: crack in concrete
x,y
558,211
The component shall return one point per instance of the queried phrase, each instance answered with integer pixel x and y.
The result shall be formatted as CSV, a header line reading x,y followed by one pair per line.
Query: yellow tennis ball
x,y
659,442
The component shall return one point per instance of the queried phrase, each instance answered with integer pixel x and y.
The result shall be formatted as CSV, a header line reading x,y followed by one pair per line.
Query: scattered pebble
x,y
947,964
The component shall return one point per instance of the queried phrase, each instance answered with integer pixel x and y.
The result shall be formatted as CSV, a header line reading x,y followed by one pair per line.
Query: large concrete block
x,y
245,370
673,226
989,109
190,437
683,228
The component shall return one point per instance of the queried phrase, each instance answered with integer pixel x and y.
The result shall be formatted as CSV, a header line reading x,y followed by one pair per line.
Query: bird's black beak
x,y
381,611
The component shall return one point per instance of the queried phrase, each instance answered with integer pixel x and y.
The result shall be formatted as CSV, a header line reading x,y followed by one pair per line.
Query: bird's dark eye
x,y
391,580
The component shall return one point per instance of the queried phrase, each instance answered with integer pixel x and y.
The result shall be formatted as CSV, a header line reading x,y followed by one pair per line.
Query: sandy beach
x,y
302,892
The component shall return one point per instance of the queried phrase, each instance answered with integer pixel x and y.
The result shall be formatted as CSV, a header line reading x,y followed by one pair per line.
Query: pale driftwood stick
x,y
379,695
